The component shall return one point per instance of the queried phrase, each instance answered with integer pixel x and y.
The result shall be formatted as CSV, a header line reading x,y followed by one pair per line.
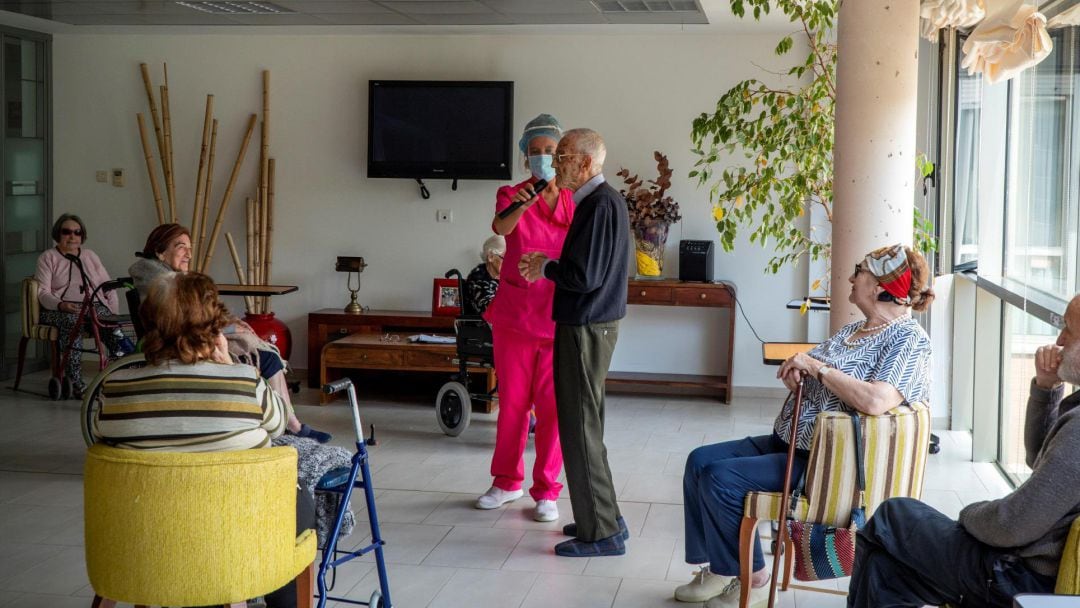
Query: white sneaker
x,y
546,510
705,586
495,498
759,597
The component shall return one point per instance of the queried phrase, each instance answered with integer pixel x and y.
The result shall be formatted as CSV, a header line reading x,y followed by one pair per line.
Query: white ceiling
x,y
432,16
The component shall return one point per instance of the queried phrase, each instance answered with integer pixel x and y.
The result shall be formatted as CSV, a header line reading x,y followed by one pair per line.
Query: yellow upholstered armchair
x,y
1068,581
894,455
33,329
186,529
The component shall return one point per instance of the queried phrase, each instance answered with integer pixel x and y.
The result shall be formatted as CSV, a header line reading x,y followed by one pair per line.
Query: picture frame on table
x,y
446,298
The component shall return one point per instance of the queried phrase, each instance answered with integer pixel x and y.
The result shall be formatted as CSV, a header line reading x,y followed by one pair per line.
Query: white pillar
x,y
874,152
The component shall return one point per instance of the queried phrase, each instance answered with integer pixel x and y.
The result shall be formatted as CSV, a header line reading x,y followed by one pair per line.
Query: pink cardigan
x,y
59,279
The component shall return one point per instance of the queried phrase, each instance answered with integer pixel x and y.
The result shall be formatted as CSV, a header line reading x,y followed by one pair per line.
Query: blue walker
x,y
343,481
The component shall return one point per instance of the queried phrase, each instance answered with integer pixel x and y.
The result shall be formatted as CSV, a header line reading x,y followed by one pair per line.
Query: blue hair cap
x,y
544,125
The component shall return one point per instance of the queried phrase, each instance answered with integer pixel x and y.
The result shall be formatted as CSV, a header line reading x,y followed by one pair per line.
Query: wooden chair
x,y
894,454
193,529
33,329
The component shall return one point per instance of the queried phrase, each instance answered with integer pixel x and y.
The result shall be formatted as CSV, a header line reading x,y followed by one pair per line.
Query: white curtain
x,y
939,14
1011,38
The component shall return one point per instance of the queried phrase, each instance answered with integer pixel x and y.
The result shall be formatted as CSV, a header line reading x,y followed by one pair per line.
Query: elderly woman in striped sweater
x,y
871,365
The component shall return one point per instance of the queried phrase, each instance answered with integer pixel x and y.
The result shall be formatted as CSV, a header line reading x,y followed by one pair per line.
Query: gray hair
x,y
494,243
587,141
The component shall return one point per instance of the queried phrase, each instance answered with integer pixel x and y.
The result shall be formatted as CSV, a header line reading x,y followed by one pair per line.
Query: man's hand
x,y
531,265
1047,359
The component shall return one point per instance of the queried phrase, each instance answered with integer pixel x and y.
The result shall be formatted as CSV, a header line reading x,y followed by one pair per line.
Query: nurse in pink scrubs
x,y
523,331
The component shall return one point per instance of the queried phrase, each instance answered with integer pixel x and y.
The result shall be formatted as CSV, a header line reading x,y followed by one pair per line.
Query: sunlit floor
x,y
441,551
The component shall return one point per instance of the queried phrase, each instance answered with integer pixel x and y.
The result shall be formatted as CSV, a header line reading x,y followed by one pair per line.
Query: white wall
x,y
641,92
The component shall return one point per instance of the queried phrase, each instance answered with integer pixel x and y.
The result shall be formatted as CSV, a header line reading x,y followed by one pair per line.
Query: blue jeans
x,y
716,481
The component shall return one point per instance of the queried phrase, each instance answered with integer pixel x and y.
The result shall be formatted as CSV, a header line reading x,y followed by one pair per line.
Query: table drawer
x,y
430,359
649,295
702,296
362,357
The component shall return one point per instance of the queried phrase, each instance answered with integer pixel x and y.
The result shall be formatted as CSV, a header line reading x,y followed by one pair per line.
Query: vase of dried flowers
x,y
651,215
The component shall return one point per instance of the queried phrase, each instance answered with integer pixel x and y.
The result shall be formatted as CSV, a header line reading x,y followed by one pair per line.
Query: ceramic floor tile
x,y
63,573
664,521
471,480
410,586
679,571
406,506
634,593
569,591
17,484
681,442
60,491
653,488
16,558
535,553
347,577
9,598
460,510
36,600
646,558
405,543
34,523
405,476
466,547
519,515
471,588
946,501
635,514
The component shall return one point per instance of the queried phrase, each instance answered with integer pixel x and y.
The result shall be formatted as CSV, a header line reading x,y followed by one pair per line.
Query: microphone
x,y
537,187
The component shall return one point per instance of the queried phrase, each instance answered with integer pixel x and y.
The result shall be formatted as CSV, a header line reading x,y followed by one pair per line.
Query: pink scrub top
x,y
519,305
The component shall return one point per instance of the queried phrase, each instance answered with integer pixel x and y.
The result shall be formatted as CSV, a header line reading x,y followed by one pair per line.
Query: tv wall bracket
x,y
426,194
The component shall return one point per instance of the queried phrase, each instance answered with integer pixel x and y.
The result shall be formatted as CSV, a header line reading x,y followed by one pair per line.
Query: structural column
x,y
874,152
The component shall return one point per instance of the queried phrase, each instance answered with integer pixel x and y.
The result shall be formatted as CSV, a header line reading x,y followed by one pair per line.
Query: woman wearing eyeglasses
x,y
61,291
483,281
523,331
872,365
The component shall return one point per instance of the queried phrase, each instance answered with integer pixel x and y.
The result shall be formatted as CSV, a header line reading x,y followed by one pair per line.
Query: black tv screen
x,y
431,129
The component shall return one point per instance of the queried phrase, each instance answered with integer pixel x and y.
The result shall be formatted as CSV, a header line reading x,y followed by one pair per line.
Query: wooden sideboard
x,y
680,293
329,324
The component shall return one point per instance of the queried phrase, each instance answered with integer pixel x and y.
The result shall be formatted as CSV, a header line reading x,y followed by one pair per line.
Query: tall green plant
x,y
786,132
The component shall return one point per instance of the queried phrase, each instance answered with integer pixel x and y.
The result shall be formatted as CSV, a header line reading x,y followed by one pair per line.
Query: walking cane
x,y
785,496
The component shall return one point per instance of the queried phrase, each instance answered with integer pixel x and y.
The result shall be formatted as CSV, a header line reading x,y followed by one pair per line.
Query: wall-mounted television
x,y
440,129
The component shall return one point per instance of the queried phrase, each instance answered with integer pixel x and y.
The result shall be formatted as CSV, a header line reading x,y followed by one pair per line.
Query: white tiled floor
x,y
441,551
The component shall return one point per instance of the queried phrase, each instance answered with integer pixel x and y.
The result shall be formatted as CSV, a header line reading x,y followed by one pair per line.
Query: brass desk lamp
x,y
351,265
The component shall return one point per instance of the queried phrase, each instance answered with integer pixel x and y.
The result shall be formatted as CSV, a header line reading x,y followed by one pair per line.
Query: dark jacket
x,y
590,275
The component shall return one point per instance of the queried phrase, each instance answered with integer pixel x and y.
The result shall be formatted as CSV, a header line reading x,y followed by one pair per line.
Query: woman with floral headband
x,y
871,366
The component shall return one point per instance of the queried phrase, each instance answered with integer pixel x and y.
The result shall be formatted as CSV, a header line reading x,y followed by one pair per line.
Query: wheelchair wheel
x,y
453,408
54,388
91,401
66,388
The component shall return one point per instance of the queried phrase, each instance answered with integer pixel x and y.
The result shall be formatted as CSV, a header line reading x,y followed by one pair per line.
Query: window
x,y
966,170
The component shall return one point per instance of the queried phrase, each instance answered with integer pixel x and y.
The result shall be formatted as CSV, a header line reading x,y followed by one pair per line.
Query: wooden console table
x,y
370,351
680,293
329,324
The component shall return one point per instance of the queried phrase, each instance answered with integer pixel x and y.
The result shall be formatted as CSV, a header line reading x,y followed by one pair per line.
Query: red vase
x,y
271,329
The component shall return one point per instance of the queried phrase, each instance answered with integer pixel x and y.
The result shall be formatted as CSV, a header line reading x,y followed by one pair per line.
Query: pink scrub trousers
x,y
524,334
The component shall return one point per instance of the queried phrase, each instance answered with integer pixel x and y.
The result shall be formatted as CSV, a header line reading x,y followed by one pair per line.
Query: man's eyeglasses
x,y
70,232
559,158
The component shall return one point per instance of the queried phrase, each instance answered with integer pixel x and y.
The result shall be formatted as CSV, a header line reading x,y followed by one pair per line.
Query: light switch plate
x,y
102,176
118,178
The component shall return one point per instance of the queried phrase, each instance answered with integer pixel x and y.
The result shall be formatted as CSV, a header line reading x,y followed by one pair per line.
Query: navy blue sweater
x,y
590,274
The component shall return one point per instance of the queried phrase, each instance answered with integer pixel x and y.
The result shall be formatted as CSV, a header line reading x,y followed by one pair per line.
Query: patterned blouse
x,y
898,355
480,288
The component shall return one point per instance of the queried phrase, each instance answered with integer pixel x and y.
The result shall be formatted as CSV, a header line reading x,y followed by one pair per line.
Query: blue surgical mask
x,y
540,166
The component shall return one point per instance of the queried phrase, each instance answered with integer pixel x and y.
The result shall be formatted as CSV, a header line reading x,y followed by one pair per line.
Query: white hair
x,y
587,141
494,244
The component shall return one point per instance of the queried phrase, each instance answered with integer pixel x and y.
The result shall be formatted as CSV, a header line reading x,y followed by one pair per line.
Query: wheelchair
x,y
453,405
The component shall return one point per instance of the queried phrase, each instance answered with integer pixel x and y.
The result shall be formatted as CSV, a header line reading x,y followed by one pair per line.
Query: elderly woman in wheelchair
x,y
871,365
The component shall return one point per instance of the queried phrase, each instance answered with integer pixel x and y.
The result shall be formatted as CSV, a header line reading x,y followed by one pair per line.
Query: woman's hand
x,y
526,195
220,353
69,307
800,362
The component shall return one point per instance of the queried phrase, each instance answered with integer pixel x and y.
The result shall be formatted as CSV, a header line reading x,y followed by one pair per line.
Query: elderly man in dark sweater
x,y
910,555
590,298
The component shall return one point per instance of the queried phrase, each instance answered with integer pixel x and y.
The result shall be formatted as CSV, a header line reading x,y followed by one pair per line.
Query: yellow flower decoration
x,y
718,213
647,266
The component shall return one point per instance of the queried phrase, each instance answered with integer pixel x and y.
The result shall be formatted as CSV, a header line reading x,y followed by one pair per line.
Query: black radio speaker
x,y
696,261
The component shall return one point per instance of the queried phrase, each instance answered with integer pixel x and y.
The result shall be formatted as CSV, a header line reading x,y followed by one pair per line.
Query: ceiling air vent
x,y
645,6
235,7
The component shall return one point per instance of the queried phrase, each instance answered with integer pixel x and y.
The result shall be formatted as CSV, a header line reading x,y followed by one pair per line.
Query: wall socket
x,y
102,177
444,215
118,178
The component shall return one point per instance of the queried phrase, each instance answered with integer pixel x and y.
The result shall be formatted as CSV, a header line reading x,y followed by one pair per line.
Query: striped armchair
x,y
32,329
894,453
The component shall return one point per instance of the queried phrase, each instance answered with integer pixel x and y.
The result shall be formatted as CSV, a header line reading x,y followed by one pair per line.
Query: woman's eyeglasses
x,y
70,232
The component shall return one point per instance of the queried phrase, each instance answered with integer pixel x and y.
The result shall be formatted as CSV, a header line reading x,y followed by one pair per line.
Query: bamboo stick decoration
x,y
263,212
208,119
257,262
269,228
228,193
207,191
239,269
150,169
170,187
167,102
149,85
264,152
250,224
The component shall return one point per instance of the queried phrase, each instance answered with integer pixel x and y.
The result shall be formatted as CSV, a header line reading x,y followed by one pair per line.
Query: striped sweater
x,y
205,407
